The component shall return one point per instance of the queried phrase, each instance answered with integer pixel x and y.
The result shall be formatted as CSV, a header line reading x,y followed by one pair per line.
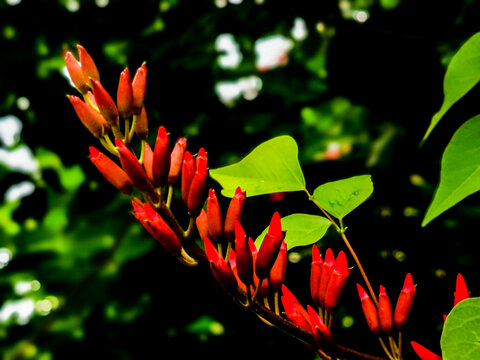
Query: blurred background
x,y
355,82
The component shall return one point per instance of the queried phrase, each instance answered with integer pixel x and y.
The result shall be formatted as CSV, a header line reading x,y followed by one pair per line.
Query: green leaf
x,y
461,333
463,73
460,169
340,197
271,167
302,230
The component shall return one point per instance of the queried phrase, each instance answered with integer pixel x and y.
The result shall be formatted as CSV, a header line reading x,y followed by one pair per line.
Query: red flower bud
x,y
148,162
91,119
220,269
370,311
264,285
158,228
232,260
105,103
234,212
327,269
176,160
198,186
404,302
385,312
315,273
214,217
423,352
202,225
76,73
295,312
141,124
111,171
88,65
461,291
188,171
244,255
336,284
139,86
125,94
270,247
321,332
161,157
132,167
277,274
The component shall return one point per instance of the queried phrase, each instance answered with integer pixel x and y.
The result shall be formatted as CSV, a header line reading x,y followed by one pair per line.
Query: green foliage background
x,y
92,283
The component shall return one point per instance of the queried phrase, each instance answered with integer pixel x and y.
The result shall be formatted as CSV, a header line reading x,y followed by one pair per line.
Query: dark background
x,y
110,291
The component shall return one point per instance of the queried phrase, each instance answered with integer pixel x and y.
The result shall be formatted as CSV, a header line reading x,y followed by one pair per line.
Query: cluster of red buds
x,y
382,321
148,177
461,293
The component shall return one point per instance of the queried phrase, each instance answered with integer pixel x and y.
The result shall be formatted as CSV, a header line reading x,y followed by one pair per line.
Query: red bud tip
x,y
88,65
423,352
385,314
111,171
294,311
139,87
91,119
214,217
320,331
270,247
279,268
176,160
370,311
141,125
161,157
404,302
105,103
327,269
234,212
202,226
336,284
244,255
132,167
76,74
188,171
315,273
125,94
461,290
198,187
220,269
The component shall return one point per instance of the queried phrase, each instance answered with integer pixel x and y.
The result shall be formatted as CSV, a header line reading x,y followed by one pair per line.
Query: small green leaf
x,y
463,73
302,230
271,167
340,197
461,333
460,169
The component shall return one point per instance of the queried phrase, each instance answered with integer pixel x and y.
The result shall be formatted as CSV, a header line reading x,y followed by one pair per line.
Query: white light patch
x,y
299,30
272,52
231,56
21,310
19,191
247,87
20,159
10,130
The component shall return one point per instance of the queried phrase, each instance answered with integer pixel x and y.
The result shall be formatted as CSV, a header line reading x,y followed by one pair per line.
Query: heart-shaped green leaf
x,y
302,230
271,167
340,197
463,73
461,333
460,169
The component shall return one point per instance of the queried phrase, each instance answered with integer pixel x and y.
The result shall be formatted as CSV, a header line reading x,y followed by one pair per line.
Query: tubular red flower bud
x,y
158,228
295,312
111,171
198,186
244,255
315,273
234,212
461,290
148,162
327,269
337,281
277,274
232,260
188,171
423,352
76,73
88,65
141,124
370,311
139,86
220,269
385,314
132,167
176,160
404,302
321,332
105,103
202,226
125,94
268,252
91,119
264,285
214,217
161,157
